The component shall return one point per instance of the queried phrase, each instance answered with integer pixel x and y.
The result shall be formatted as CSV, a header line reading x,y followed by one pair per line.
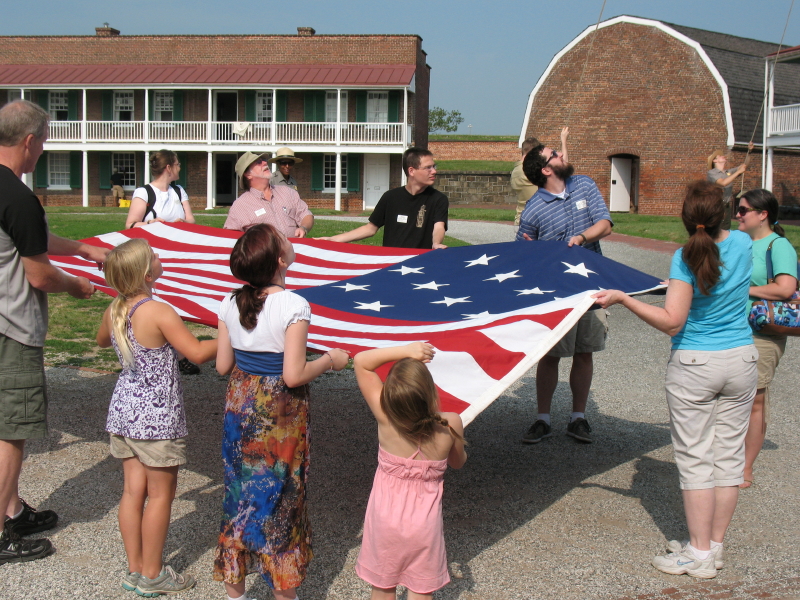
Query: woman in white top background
x,y
171,202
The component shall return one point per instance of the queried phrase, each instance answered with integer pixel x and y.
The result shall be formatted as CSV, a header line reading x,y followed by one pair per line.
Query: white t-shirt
x,y
168,206
280,310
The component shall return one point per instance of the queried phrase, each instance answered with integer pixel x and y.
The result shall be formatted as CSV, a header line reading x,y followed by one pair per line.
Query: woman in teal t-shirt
x,y
711,375
758,217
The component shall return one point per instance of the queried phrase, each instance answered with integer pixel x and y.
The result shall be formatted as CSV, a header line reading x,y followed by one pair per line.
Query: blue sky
x,y
486,56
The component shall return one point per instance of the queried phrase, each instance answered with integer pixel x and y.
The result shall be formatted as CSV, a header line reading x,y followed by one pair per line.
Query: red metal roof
x,y
282,75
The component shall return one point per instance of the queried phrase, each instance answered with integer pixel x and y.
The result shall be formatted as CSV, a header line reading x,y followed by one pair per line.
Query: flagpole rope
x,y
586,62
766,92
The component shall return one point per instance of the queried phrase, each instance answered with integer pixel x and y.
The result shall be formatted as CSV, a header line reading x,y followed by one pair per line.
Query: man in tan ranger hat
x,y
264,202
286,161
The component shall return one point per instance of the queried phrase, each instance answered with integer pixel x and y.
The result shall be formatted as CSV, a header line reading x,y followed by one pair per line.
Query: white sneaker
x,y
719,552
678,563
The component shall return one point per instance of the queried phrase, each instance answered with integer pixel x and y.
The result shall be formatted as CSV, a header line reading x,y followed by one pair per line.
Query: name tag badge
x,y
580,204
402,218
261,211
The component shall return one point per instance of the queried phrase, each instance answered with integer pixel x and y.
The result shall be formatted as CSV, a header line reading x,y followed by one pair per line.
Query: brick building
x,y
656,99
348,105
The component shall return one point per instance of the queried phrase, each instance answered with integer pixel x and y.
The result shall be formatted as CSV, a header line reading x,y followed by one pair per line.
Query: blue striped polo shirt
x,y
549,217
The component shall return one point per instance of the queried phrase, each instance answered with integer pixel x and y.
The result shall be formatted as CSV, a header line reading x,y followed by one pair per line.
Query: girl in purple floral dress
x,y
146,418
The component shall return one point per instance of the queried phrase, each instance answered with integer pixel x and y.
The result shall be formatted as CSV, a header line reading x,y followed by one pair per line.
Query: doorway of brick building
x,y
376,178
623,195
226,112
225,186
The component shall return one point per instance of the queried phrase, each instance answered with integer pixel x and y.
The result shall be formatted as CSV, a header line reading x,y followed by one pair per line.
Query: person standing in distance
x,y
26,277
413,216
570,208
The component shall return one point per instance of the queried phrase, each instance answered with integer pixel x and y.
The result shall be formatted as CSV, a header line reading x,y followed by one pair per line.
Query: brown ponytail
x,y
702,214
254,259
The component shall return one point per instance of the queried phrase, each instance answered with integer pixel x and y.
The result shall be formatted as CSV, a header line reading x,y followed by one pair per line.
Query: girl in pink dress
x,y
403,540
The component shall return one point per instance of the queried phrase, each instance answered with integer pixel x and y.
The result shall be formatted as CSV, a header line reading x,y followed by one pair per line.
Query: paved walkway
x,y
554,520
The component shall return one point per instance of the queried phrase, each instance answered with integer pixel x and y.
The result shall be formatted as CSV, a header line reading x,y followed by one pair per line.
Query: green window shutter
x,y
394,106
183,158
361,107
105,170
43,99
250,105
177,106
41,175
319,116
151,109
138,159
76,170
309,106
317,175
281,109
353,172
108,110
72,105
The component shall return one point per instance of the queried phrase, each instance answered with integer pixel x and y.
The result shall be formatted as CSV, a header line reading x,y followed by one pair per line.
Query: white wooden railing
x,y
784,120
216,132
64,131
179,131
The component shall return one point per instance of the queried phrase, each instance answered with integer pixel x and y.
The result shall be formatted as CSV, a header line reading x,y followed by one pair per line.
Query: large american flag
x,y
491,311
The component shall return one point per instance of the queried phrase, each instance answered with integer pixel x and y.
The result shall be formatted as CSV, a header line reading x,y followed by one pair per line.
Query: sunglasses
x,y
552,156
257,161
743,210
286,163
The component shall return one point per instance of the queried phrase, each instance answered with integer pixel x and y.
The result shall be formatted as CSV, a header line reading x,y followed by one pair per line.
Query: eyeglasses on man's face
x,y
428,168
286,163
552,156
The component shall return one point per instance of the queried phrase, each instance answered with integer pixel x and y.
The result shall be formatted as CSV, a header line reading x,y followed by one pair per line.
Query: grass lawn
x,y
74,323
442,166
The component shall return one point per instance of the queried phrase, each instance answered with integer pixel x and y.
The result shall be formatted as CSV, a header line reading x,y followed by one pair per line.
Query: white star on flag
x,y
349,287
406,270
483,260
535,290
376,306
501,277
485,313
429,286
450,301
578,269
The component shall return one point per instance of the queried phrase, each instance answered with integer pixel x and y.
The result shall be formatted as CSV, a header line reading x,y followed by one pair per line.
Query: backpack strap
x,y
178,189
151,202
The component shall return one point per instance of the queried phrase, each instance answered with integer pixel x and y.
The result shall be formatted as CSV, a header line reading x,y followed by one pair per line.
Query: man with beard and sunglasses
x,y
569,208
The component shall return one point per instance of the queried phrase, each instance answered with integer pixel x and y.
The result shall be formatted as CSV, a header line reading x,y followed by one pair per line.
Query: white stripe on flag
x,y
517,337
448,370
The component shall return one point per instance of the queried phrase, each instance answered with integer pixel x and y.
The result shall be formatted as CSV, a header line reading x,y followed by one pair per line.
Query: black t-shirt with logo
x,y
408,220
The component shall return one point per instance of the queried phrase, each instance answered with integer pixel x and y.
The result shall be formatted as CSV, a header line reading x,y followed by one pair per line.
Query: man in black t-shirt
x,y
413,216
26,277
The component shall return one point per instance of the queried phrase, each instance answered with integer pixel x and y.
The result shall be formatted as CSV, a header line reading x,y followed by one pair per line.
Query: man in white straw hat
x,y
264,202
286,161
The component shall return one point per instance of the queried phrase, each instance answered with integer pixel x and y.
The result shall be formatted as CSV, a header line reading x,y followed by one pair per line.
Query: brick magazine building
x,y
656,99
348,105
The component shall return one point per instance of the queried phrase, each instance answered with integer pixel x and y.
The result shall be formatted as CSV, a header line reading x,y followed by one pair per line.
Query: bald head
x,y
19,119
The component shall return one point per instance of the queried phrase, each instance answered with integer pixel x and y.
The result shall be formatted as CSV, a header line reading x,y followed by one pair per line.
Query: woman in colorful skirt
x,y
263,331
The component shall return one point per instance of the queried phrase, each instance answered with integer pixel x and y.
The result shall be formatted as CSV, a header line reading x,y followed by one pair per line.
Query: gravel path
x,y
554,520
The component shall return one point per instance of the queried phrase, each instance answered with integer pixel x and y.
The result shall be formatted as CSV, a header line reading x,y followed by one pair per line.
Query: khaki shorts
x,y
588,335
710,394
117,191
151,453
23,393
770,350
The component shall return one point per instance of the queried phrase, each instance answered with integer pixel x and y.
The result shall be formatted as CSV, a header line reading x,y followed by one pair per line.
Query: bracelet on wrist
x,y
331,369
584,239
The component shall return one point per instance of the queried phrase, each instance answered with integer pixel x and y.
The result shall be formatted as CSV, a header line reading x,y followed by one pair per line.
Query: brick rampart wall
x,y
474,150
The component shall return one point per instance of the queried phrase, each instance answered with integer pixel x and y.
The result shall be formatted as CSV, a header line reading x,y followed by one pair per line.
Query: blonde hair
x,y
411,403
126,267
